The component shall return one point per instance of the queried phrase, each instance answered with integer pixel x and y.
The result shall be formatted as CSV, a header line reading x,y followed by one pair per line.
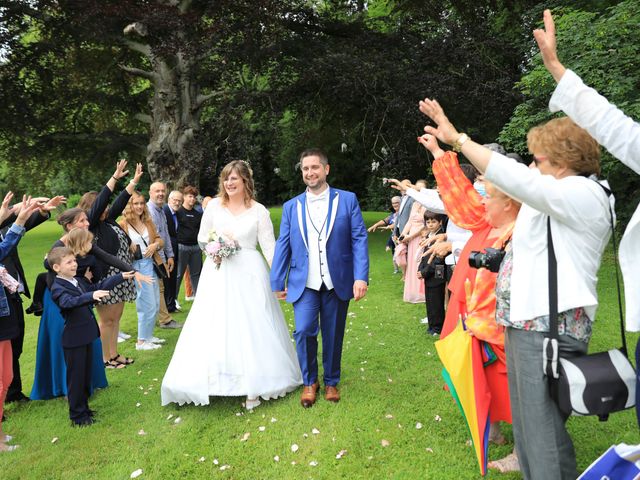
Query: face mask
x,y
479,186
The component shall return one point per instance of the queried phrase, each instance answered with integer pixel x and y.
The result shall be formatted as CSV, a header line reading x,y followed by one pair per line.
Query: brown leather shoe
x,y
308,397
331,394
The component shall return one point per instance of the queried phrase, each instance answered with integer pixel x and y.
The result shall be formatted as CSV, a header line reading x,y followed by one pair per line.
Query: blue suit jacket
x,y
76,306
347,248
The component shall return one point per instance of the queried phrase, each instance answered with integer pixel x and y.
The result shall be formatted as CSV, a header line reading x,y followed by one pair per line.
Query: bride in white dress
x,y
235,341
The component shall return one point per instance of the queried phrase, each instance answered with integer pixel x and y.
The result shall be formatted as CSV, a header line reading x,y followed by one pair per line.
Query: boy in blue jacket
x,y
76,298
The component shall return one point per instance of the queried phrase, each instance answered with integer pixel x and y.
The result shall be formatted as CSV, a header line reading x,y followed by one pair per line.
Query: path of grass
x,y
391,382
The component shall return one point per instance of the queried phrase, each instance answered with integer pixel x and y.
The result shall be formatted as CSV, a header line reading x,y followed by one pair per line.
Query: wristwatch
x,y
457,145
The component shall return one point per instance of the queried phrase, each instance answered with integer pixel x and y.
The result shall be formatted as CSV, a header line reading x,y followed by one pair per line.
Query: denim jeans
x,y
147,300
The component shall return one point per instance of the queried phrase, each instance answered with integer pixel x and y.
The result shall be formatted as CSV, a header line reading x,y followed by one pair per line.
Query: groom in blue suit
x,y
322,255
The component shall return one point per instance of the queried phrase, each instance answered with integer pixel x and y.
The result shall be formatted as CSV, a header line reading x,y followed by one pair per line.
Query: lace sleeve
x,y
206,224
266,238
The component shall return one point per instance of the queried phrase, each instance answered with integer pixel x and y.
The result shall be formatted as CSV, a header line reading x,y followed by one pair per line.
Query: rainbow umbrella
x,y
461,356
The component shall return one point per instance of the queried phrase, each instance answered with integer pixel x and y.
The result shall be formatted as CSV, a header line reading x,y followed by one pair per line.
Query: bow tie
x,y
318,198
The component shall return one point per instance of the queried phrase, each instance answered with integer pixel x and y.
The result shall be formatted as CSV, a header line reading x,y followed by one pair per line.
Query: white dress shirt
x,y
621,136
317,218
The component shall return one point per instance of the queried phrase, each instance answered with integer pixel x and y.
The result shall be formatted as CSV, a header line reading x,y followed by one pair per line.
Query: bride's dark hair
x,y
244,171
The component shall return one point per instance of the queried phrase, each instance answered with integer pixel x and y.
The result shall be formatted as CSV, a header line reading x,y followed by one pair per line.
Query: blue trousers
x,y
638,382
319,311
147,300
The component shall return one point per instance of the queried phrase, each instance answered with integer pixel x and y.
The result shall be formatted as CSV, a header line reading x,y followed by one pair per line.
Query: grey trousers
x,y
544,447
189,256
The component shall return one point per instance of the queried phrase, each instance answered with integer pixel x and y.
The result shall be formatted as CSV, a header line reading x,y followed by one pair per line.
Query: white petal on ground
x,y
245,437
305,435
295,447
262,428
201,459
177,420
389,380
385,443
341,454
155,379
437,418
138,404
430,450
54,439
225,467
418,426
388,415
215,461
136,473
315,431
276,458
141,432
274,419
170,416
313,463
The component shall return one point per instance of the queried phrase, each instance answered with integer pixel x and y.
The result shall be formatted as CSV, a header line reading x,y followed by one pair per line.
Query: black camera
x,y
490,259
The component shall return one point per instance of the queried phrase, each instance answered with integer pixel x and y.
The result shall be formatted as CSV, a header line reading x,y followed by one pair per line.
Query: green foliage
x,y
603,48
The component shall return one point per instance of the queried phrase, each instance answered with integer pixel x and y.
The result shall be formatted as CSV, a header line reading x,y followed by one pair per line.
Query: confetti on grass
x,y
136,473
418,426
385,443
341,454
245,437
295,448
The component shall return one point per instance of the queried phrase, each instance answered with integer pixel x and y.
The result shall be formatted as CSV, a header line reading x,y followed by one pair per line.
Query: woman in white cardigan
x,y
560,189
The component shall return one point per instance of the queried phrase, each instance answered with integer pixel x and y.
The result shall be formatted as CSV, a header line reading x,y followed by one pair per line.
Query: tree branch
x,y
143,48
140,73
144,118
201,99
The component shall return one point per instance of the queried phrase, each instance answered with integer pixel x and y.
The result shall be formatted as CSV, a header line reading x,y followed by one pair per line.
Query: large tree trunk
x,y
175,154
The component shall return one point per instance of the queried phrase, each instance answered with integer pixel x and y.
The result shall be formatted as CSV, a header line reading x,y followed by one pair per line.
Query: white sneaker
x,y
424,321
147,346
190,299
120,340
178,307
157,340
126,336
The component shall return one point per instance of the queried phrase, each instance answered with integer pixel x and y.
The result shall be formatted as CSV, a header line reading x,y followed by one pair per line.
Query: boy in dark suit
x,y
76,297
432,271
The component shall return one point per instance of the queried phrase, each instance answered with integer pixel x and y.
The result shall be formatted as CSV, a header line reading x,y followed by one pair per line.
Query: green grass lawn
x,y
391,382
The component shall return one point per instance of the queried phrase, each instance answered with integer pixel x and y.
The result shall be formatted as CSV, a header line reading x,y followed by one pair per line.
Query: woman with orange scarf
x,y
491,219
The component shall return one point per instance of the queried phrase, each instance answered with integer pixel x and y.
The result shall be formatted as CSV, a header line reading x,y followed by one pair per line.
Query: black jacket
x,y
76,306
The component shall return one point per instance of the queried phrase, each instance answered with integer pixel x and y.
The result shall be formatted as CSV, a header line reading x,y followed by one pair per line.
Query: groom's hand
x,y
359,289
282,295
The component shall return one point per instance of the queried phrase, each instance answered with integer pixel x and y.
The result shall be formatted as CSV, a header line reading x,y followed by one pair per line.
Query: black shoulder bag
x,y
159,269
593,384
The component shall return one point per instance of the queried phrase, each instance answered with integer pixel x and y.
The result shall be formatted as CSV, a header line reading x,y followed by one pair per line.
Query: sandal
x,y
126,361
113,365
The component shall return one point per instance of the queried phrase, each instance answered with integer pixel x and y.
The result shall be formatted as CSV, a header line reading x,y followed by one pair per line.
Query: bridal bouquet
x,y
220,247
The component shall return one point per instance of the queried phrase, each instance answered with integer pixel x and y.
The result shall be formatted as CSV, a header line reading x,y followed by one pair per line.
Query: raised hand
x,y
546,39
120,169
431,143
445,131
26,209
53,203
5,210
138,175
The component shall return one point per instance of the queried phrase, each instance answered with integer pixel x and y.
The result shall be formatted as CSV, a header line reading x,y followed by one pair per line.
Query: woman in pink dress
x,y
411,236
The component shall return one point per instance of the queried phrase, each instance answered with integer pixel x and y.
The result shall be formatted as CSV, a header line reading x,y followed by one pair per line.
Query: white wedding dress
x,y
235,341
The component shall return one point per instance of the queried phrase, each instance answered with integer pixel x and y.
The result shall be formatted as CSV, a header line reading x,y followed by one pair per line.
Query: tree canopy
x,y
187,85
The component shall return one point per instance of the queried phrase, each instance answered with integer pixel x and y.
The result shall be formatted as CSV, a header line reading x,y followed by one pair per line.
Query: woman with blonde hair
x,y
235,341
145,244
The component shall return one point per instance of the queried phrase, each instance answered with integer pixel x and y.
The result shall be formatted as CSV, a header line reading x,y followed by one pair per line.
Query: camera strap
x,y
550,345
